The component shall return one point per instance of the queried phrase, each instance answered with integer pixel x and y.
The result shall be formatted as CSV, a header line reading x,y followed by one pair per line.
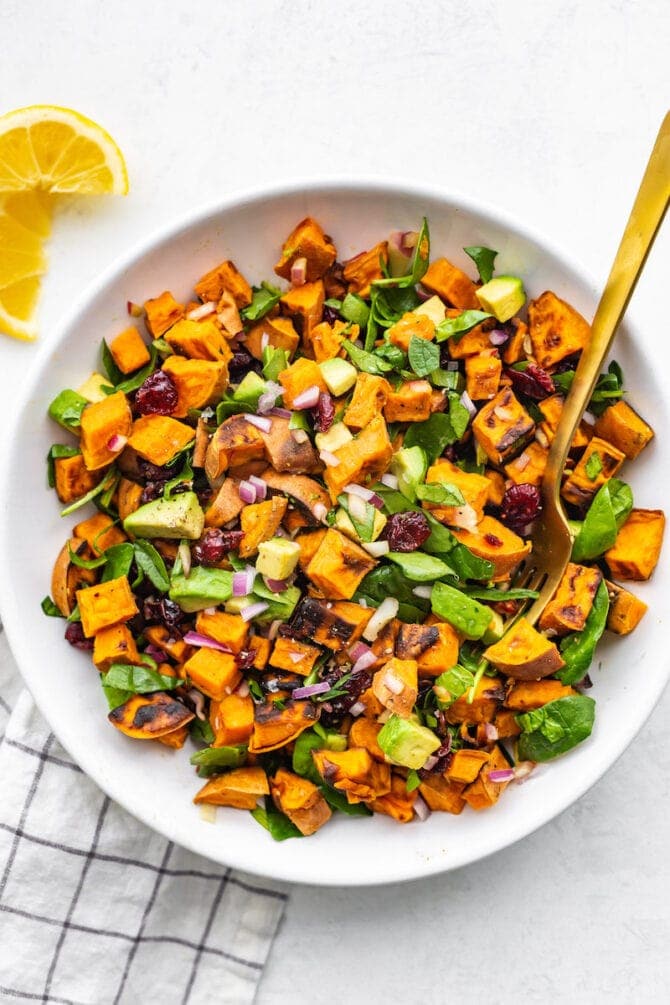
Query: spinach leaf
x,y
609,509
56,451
392,354
132,383
456,328
279,825
86,563
493,593
458,415
280,605
229,406
366,361
483,259
466,615
201,731
364,528
433,435
274,361
424,357
389,581
413,780
555,727
419,567
219,757
107,483
355,310
578,648
66,409
109,366
338,801
151,564
452,684
118,560
303,763
442,493
451,380
185,476
418,265
395,301
137,679
263,299
467,565
50,609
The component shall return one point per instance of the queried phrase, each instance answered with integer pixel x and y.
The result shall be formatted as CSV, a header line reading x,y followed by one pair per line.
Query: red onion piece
x,y
135,310
498,337
430,762
205,642
310,689
490,732
243,582
364,493
273,631
242,689
116,442
421,808
423,294
260,486
523,770
260,422
468,403
203,311
501,775
156,653
358,650
390,481
276,585
268,398
364,661
308,398
253,610
299,272
280,413
246,492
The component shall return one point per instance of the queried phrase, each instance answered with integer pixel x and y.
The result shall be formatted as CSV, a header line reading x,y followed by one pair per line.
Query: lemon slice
x,y
45,151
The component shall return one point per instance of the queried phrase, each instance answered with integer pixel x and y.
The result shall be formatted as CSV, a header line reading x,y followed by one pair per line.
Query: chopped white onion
x,y
308,398
424,591
394,685
589,418
522,461
359,490
377,548
357,709
468,403
421,808
265,340
390,481
541,437
464,517
329,459
201,312
300,435
320,511
386,611
504,414
260,422
184,553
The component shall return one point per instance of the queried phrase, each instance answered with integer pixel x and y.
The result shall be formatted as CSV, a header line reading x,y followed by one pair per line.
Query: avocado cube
x,y
503,297
432,308
336,437
406,742
277,558
249,389
410,466
179,517
339,375
92,390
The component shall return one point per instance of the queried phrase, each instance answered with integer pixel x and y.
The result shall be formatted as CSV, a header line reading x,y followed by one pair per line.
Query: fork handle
x,y
644,221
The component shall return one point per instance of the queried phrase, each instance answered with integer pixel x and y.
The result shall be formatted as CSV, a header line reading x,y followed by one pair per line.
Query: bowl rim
x,y
374,185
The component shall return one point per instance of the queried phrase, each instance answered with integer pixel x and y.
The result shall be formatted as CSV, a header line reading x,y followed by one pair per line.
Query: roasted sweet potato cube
x,y
354,772
241,788
411,324
158,438
73,479
226,504
465,765
129,351
300,800
100,532
506,724
235,442
175,739
484,705
99,423
398,803
67,577
199,382
368,400
552,409
363,733
298,378
232,719
291,654
411,402
636,551
305,304
482,375
199,340
514,350
475,489
599,462
442,795
451,284
556,329
260,647
334,625
473,342
150,716
496,543
412,641
525,695
309,545
285,453
295,519
160,636
114,645
339,565
128,497
259,523
624,429
384,645
503,427
496,487
307,241
161,313
224,278
304,491
214,673
525,654
105,604
368,454
276,332
395,684
442,654
361,270
625,611
229,629
483,793
570,606
274,727
325,340
528,467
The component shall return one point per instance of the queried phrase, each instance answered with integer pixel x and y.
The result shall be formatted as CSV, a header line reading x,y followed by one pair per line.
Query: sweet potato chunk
x,y
524,654
67,578
73,479
175,739
338,566
503,427
309,545
302,490
442,795
150,716
451,284
325,340
161,313
305,304
473,342
483,793
224,278
105,604
638,545
625,611
214,673
100,532
599,462
300,800
298,378
225,506
482,708
368,400
334,625
99,423
259,523
235,442
513,350
241,788
624,429
441,655
354,772
199,340
528,467
570,606
411,324
362,269
482,375
465,765
307,241
230,630
280,335
260,647
528,694
496,543
411,402
285,453
506,724
158,438
363,733
114,645
475,489
129,351
232,719
398,803
128,497
395,685
176,649
368,454
274,726
199,382
556,329
291,654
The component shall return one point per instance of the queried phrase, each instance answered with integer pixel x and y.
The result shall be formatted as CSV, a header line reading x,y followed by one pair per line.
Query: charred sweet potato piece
x,y
284,452
368,400
638,545
569,608
305,491
114,645
128,497
625,611
441,655
201,444
528,694
259,523
67,577
157,438
396,685
496,487
106,604
298,378
363,733
398,803
384,645
307,241
129,351
354,772
232,719
291,654
221,279
475,489
149,716
300,800
483,793
199,382
199,340
482,375
525,654
496,543
368,454
465,765
334,625
280,335
338,566
214,673
309,545
100,532
295,519
411,402
226,504
599,462
241,788
305,304
513,350
235,442
99,423
161,313
503,427
556,329
412,641
411,324
230,630
362,269
528,467
486,702
176,649
441,794
325,340
624,429
473,342
506,724
73,479
451,284
176,739
274,726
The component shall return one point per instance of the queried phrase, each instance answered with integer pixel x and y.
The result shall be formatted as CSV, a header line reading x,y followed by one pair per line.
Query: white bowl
x,y
157,784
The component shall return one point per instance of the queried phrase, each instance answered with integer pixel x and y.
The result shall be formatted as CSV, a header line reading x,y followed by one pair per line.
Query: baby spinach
x,y
433,435
466,564
493,593
418,265
368,362
185,476
466,615
122,681
338,801
201,732
149,561
229,406
118,560
389,581
355,310
280,605
441,493
66,409
423,356
278,824
609,509
274,361
85,563
56,451
455,682
109,366
132,383
392,354
107,483
483,259
263,299
578,648
419,567
50,609
365,528
556,727
456,328
450,380
213,759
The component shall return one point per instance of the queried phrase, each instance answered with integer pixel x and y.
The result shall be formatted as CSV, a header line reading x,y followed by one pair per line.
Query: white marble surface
x,y
546,109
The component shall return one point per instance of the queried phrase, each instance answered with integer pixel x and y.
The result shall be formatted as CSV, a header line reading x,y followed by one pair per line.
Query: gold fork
x,y
552,540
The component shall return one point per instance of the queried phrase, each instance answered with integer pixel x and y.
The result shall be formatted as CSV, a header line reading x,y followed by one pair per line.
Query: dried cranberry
x,y
74,634
245,659
151,491
533,382
165,612
215,544
493,540
154,472
331,315
335,286
157,395
354,686
521,504
241,364
324,413
407,531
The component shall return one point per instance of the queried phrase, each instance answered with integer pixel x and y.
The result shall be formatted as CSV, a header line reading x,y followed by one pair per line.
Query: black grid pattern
x,y
95,909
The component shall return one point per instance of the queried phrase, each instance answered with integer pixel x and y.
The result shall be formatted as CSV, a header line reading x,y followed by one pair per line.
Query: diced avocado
x,y
181,516
495,630
502,296
249,389
337,436
409,465
339,375
66,409
432,308
277,558
237,604
344,524
204,587
451,684
406,742
464,613
92,390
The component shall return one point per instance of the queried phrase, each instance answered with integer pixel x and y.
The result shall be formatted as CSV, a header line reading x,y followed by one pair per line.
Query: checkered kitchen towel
x,y
95,908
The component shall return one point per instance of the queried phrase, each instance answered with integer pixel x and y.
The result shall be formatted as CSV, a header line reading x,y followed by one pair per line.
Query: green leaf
x,y
280,605
456,328
364,528
162,347
450,380
442,493
413,780
556,727
263,299
137,680
593,466
493,593
389,581
201,731
274,361
338,801
85,563
419,567
458,415
466,615
418,265
220,757
229,406
152,565
185,477
303,763
107,482
279,825
392,354
366,361
58,450
50,609
355,310
118,560
579,648
483,259
66,409
423,356
109,366
610,508
433,435
132,383
452,685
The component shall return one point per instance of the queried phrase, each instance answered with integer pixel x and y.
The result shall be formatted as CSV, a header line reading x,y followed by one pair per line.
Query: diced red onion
x,y
501,775
468,403
390,481
320,511
430,762
184,553
421,808
156,653
276,585
260,422
198,700
498,337
310,689
265,340
329,458
308,398
203,311
280,413
364,493
357,650
273,630
386,611
377,548
490,732
393,683
397,240
364,661
208,610
424,591
268,398
242,689
253,610
300,435
299,272
246,491
243,582
205,642
260,486
116,442
357,709
423,294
